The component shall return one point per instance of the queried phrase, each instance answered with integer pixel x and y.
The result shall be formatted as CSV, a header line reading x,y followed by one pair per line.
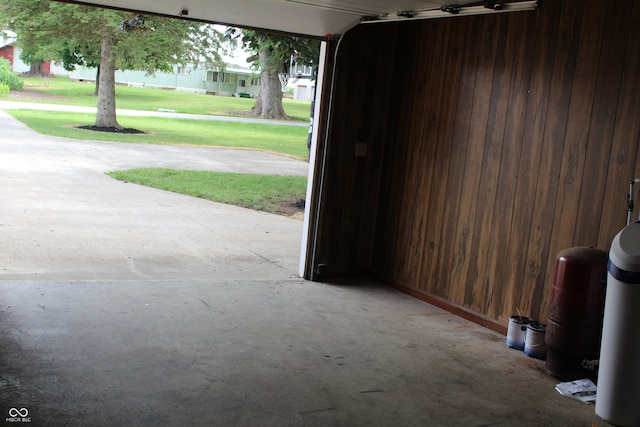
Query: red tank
x,y
574,326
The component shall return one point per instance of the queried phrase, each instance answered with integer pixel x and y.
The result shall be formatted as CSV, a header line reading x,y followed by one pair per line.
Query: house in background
x,y
303,82
12,53
238,78
232,81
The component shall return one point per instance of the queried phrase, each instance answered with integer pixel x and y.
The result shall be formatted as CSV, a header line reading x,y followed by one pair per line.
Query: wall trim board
x,y
452,308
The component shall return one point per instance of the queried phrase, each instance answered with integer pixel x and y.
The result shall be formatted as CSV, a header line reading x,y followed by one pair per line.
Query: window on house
x,y
255,81
242,83
300,70
217,76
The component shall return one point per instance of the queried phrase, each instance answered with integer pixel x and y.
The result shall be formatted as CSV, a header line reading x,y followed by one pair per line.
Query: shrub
x,y
4,90
7,77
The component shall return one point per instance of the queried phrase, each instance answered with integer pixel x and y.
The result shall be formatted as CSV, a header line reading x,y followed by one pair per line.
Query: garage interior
x,y
493,143
455,158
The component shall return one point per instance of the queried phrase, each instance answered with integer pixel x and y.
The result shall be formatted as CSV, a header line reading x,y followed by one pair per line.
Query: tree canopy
x,y
273,54
84,35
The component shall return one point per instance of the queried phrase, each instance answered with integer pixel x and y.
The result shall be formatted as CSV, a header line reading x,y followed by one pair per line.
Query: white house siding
x,y
303,88
58,70
18,65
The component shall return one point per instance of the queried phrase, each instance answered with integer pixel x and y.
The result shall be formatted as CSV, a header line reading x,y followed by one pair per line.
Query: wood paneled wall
x,y
492,143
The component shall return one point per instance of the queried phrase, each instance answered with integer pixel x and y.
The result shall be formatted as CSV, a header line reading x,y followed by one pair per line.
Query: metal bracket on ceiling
x,y
453,10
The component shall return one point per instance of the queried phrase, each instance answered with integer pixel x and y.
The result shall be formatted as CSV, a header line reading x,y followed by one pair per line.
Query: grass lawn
x,y
64,91
275,194
288,140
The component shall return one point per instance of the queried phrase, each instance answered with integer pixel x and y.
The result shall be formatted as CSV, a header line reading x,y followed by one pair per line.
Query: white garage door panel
x,y
306,17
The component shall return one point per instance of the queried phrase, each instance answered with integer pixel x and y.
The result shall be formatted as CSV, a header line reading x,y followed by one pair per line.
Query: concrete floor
x,y
125,305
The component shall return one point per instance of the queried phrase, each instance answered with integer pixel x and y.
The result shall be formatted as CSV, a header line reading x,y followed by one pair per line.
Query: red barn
x,y
12,54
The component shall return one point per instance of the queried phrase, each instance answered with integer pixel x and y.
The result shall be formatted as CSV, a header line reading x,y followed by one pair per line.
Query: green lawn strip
x,y
260,192
288,140
148,99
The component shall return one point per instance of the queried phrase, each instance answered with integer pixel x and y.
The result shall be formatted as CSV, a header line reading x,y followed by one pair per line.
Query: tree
x,y
36,64
85,35
273,53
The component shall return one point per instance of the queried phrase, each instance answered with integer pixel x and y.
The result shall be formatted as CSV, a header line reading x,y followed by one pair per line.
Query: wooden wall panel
x,y
544,192
447,258
605,103
506,207
465,263
440,138
577,130
493,142
624,159
542,59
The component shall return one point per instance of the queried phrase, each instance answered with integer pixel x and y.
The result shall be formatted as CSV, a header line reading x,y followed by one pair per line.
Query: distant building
x,y
302,80
12,53
232,81
237,78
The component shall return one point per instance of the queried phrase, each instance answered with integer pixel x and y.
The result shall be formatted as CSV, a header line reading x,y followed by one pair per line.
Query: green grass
x,y
147,99
288,140
274,194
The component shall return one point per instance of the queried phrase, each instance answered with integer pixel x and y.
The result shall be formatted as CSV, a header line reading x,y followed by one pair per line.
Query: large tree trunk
x,y
106,112
269,100
36,70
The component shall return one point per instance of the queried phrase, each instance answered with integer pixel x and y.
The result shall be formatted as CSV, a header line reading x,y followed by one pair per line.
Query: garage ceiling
x,y
318,18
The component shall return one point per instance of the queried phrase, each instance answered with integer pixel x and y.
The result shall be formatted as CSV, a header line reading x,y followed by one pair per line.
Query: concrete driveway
x,y
65,218
130,306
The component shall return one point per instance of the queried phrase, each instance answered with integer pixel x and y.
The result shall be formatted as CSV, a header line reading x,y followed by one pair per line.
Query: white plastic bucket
x,y
534,345
517,331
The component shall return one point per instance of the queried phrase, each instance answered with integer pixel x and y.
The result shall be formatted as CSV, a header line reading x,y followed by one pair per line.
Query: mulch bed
x,y
109,129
